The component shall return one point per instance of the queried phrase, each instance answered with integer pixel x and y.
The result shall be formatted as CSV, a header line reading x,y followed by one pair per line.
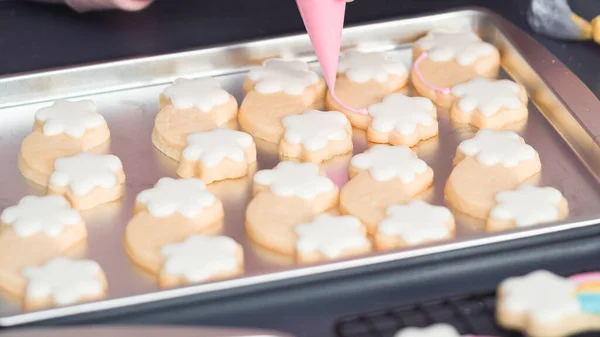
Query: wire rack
x,y
470,314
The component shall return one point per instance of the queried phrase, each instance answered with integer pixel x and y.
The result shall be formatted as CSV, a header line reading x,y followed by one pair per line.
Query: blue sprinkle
x,y
590,303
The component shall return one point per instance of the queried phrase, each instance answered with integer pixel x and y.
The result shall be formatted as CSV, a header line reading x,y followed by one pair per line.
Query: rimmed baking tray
x,y
562,127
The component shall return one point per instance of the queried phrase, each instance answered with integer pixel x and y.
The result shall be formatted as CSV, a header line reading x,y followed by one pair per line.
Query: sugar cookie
x,y
300,191
277,89
380,177
329,237
414,223
32,232
199,259
216,155
402,120
364,79
88,180
525,206
491,162
543,304
62,281
61,130
436,330
315,136
488,103
189,106
168,213
444,58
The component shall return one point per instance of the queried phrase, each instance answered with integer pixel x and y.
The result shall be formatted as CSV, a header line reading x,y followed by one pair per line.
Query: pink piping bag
x,y
324,21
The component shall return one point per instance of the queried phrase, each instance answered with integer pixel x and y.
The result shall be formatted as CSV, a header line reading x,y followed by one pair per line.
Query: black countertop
x,y
34,37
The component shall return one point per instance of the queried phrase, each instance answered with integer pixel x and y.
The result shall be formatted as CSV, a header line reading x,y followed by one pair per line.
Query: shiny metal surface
x,y
562,127
139,331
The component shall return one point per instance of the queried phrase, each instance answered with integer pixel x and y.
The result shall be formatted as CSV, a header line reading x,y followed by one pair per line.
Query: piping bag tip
x,y
324,21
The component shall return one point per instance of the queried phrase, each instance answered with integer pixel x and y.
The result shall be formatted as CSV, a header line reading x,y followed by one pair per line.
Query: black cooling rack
x,y
470,314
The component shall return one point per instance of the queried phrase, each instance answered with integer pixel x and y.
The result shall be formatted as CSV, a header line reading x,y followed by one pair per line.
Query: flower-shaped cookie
x,y
202,93
497,147
388,162
361,66
289,76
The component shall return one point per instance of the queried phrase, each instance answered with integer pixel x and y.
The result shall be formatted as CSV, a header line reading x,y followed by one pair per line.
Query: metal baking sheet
x,y
562,127
141,331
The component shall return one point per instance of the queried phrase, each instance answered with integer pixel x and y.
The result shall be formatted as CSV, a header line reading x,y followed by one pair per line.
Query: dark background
x,y
34,37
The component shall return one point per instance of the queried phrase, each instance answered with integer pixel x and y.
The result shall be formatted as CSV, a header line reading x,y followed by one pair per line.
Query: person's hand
x,y
90,5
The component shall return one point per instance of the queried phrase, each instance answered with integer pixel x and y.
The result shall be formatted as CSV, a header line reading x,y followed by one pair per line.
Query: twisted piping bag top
x,y
324,20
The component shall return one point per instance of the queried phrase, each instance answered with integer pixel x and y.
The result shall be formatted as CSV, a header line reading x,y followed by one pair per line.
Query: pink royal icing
x,y
424,55
362,111
585,277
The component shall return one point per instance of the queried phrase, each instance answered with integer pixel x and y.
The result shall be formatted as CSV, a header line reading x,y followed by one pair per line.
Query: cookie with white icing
x,y
414,223
446,57
526,206
168,213
436,330
88,180
329,237
315,136
216,155
32,232
402,120
61,130
490,162
188,106
542,304
200,259
278,89
62,281
380,177
300,191
486,103
365,78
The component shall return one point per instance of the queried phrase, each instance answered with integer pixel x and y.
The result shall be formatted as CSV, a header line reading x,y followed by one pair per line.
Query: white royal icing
x,y
464,46
187,197
289,179
541,294
361,67
401,113
65,281
48,214
85,171
201,93
488,96
497,147
289,76
388,162
527,205
212,147
436,330
330,235
200,257
314,129
416,222
71,118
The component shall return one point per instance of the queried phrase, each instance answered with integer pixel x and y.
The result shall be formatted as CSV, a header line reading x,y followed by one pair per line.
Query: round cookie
x,y
88,180
61,130
32,232
189,106
380,177
315,136
329,237
62,281
402,120
444,58
277,89
542,304
364,79
216,155
200,259
300,191
491,162
435,330
169,213
414,223
488,103
525,206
